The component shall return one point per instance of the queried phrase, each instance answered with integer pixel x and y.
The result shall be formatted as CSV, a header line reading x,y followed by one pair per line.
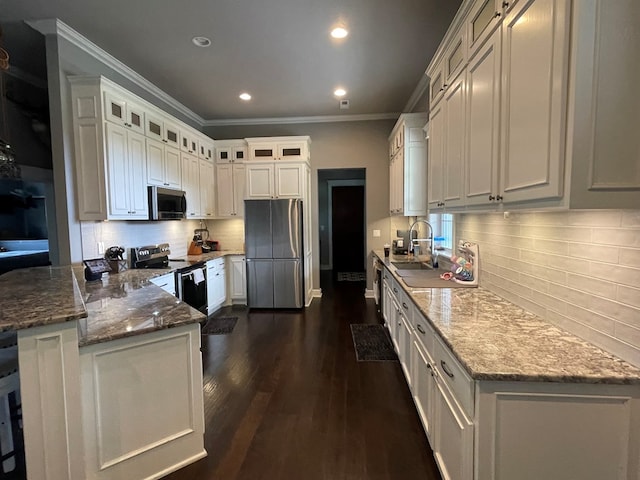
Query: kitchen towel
x,y
198,276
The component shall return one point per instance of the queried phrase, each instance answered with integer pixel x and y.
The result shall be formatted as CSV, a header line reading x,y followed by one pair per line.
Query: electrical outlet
x,y
101,248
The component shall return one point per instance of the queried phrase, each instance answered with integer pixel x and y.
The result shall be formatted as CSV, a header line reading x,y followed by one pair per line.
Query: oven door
x,y
193,288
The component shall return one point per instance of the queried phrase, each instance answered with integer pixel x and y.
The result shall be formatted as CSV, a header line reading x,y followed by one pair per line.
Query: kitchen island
x,y
503,393
110,373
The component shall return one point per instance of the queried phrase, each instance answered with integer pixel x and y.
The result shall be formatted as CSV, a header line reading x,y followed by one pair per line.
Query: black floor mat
x,y
219,326
372,343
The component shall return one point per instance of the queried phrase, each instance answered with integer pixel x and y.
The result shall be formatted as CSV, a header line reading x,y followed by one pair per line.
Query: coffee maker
x,y
400,246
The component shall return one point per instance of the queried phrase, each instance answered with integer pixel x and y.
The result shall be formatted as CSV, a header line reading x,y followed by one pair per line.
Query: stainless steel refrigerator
x,y
273,245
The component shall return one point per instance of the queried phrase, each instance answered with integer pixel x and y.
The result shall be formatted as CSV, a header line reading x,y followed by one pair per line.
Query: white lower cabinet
x,y
488,430
216,285
167,282
237,279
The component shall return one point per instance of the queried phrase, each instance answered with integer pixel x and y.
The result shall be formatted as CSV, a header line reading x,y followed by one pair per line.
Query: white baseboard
x,y
316,293
326,267
368,293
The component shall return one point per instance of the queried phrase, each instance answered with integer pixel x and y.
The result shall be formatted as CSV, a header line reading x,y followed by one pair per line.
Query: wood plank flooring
x,y
285,398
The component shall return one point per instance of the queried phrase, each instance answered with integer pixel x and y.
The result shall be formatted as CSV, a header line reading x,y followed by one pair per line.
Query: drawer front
x,y
424,331
453,374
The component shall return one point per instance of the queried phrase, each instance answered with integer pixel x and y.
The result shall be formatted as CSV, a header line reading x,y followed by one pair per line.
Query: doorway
x,y
342,223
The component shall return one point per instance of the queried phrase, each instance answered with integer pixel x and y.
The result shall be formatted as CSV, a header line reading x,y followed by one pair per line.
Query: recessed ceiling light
x,y
339,32
245,96
201,41
340,92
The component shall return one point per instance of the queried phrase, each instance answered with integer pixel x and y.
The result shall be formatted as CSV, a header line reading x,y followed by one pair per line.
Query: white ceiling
x,y
278,50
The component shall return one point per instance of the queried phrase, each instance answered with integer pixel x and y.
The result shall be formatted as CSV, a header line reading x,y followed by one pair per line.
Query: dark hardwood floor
x,y
285,398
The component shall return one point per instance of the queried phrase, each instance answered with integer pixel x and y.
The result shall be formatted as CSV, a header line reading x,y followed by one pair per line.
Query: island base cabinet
x,y
557,431
142,404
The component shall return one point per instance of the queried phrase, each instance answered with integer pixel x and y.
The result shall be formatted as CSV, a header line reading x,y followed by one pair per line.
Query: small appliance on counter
x,y
115,259
400,246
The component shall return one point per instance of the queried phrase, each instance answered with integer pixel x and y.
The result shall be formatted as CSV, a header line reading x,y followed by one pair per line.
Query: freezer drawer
x,y
275,283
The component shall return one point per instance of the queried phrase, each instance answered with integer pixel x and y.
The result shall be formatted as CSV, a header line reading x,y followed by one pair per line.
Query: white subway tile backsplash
x,y
578,269
629,296
623,237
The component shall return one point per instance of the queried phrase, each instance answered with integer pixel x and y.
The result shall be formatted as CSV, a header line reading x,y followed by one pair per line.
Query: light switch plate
x,y
376,233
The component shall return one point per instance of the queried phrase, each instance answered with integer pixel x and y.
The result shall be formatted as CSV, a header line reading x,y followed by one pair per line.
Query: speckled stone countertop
x,y
497,340
117,306
37,296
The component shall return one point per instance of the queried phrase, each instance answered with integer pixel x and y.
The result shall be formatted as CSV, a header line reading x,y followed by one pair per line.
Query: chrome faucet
x,y
414,243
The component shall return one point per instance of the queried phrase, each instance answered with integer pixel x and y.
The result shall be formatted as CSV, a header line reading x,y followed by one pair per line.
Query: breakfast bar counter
x,y
110,373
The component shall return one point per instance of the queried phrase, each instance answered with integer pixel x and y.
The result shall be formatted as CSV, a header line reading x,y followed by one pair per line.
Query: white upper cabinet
x,y
123,111
605,142
188,141
163,129
127,174
278,148
207,188
548,122
153,155
191,184
230,188
163,165
535,53
483,123
231,151
408,166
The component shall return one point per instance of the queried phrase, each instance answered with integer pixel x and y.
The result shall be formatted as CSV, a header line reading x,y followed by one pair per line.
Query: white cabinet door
x,y
535,35
127,174
237,278
224,190
423,387
191,184
483,101
259,180
206,183
118,167
453,436
163,165
454,147
289,180
405,339
172,168
239,182
436,157
136,150
216,287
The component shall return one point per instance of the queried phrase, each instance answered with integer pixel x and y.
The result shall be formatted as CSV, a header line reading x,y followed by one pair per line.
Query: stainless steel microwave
x,y
166,204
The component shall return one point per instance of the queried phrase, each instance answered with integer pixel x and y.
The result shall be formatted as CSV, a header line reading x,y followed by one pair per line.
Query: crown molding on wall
x,y
422,87
292,120
57,27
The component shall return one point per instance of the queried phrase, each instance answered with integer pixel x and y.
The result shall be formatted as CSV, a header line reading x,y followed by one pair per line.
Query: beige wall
x,y
579,269
338,145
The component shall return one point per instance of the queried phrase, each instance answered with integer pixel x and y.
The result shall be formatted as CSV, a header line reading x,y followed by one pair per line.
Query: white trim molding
x,y
57,27
367,117
368,293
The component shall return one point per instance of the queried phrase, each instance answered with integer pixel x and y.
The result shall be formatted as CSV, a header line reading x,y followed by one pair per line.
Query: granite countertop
x,y
37,296
119,305
497,340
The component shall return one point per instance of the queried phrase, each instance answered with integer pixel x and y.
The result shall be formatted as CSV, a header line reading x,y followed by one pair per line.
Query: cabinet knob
x,y
164,141
498,197
420,329
491,198
505,4
496,15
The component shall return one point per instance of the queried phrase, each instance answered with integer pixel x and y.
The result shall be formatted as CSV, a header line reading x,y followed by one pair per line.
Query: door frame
x,y
344,183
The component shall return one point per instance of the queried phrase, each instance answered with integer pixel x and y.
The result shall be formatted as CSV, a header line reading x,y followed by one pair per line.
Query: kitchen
x,y
551,246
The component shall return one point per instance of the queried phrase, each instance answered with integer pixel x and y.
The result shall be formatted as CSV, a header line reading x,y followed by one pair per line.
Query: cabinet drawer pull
x,y
491,198
498,197
505,4
395,290
496,15
445,369
405,306
421,330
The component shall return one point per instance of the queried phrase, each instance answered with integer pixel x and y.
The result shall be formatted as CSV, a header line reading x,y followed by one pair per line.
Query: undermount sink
x,y
412,266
